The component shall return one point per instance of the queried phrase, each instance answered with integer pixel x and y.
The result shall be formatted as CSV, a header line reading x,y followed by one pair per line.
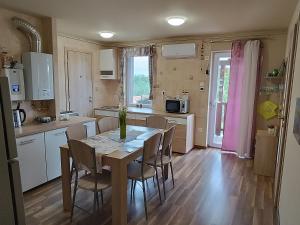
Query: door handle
x,y
90,99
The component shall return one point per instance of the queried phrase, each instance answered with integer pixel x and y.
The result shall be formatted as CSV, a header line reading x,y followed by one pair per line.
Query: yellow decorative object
x,y
268,110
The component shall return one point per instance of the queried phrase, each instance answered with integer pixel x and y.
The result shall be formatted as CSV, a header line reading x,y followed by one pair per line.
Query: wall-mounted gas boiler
x,y
38,75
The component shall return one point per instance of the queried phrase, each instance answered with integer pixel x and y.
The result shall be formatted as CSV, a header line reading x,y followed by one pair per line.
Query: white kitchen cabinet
x,y
31,156
53,140
90,128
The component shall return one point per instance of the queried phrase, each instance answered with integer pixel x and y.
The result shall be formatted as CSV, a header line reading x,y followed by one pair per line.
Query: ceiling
x,y
134,20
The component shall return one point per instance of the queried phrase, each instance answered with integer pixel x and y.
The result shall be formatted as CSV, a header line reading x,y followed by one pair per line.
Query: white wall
x,y
289,206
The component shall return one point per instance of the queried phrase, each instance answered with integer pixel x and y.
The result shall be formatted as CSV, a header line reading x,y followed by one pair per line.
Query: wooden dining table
x,y
115,153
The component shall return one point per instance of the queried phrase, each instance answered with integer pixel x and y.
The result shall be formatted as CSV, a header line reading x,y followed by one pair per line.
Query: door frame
x,y
285,116
211,97
67,88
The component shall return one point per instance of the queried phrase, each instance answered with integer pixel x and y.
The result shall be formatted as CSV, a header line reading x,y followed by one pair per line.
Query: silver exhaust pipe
x,y
30,32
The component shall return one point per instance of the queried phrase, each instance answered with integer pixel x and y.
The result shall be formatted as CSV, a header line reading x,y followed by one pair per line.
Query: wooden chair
x,y
143,171
76,132
85,159
107,124
158,122
165,156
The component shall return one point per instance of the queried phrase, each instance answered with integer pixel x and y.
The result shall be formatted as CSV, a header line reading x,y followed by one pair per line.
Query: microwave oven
x,y
177,106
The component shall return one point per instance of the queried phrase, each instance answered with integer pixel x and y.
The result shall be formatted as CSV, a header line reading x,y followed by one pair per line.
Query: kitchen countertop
x,y
149,111
34,128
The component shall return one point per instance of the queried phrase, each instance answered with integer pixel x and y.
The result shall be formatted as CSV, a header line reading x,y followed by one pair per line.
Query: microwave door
x,y
173,106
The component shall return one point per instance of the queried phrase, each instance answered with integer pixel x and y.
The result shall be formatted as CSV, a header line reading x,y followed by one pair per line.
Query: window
x,y
138,84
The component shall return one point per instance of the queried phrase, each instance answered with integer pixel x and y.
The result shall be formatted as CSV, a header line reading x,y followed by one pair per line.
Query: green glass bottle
x,y
122,123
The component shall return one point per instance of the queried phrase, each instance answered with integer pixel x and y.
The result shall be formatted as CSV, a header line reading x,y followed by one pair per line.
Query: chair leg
x,y
163,179
157,184
145,199
72,170
134,186
102,201
95,201
171,166
74,197
131,190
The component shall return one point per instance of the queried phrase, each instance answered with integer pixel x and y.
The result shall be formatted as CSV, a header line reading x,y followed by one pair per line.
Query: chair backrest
x,y
107,124
151,147
158,122
83,156
167,142
76,132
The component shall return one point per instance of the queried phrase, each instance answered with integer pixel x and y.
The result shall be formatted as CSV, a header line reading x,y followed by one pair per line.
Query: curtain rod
x,y
182,40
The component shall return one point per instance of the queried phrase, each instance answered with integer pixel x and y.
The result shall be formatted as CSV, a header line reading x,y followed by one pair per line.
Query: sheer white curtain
x,y
251,70
239,128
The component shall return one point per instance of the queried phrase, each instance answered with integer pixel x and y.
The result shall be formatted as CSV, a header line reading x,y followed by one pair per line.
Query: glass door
x,y
220,74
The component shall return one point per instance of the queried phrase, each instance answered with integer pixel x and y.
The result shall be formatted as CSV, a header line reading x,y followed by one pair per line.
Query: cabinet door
x,y
90,128
53,140
31,156
179,139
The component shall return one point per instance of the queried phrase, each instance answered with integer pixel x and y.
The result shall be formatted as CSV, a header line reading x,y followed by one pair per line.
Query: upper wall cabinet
x,y
108,64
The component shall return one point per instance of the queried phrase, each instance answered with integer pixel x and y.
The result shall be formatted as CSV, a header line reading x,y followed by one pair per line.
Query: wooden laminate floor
x,y
211,188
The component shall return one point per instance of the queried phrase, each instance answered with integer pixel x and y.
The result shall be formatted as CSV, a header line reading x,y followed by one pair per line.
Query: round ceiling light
x,y
106,34
176,20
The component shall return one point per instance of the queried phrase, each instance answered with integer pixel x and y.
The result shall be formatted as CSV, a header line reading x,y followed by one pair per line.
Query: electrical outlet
x,y
163,92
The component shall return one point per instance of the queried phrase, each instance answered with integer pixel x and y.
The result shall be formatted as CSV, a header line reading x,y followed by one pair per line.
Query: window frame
x,y
129,82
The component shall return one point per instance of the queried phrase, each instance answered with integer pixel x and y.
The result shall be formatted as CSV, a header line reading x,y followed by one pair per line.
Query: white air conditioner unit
x,y
187,50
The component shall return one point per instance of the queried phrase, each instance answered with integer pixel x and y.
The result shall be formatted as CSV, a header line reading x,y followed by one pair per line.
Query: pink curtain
x,y
239,119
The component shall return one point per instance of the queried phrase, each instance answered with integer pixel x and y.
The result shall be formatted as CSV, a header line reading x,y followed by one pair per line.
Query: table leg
x,y
66,179
119,192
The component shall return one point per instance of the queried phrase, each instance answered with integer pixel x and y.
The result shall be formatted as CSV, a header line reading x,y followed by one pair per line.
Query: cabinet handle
x,y
172,121
27,142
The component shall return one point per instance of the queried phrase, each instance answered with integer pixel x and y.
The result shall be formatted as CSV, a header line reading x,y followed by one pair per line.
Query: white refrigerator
x,y
11,196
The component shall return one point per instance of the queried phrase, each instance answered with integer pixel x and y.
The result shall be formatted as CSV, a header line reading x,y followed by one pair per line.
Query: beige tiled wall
x,y
176,75
103,90
16,43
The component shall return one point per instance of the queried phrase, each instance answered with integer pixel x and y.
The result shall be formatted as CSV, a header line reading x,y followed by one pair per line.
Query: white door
x,y
79,85
219,83
53,140
285,108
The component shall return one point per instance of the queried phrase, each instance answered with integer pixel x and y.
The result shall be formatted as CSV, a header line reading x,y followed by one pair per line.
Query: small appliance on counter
x,y
19,116
43,119
178,105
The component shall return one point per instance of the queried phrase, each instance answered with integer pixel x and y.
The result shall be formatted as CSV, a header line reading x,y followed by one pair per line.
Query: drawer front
x,y
131,116
106,113
31,156
141,116
176,120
